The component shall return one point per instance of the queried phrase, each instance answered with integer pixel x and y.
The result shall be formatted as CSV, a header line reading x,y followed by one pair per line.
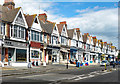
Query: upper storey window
x,y
18,32
2,28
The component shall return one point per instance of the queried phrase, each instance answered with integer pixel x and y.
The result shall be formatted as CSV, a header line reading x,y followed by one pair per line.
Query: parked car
x,y
116,62
103,63
112,62
119,62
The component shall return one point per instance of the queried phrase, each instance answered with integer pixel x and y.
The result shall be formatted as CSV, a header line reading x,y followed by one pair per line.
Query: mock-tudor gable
x,y
75,35
36,24
55,30
64,31
80,37
20,19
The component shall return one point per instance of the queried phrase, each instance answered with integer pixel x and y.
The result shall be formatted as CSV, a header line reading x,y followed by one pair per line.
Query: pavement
x,y
83,74
10,70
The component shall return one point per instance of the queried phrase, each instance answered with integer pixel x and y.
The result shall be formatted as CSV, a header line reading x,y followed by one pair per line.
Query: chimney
x,y
9,4
94,37
77,29
64,22
43,17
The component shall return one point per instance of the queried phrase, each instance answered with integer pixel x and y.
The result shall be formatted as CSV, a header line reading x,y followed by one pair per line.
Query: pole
x,y
105,67
67,62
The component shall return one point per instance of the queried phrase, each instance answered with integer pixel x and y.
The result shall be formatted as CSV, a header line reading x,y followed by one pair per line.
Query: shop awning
x,y
103,55
63,50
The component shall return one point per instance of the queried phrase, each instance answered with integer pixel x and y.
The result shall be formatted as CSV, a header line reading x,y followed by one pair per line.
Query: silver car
x,y
103,63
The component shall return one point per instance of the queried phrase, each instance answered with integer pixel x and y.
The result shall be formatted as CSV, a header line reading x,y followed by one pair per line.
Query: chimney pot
x,y
64,22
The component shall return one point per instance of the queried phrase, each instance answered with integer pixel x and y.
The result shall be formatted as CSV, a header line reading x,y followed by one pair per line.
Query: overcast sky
x,y
98,18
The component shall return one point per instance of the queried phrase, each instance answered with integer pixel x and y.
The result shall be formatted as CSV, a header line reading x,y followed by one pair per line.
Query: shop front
x,y
80,56
73,54
86,57
53,54
35,53
14,53
64,55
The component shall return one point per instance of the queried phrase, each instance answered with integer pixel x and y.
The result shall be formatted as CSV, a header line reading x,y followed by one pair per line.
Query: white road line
x,y
91,75
33,76
76,76
105,73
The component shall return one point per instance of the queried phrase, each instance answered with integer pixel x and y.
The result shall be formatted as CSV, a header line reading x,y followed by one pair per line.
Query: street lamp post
x,y
28,43
67,62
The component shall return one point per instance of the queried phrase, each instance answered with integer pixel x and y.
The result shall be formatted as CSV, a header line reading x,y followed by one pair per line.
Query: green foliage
x,y
119,56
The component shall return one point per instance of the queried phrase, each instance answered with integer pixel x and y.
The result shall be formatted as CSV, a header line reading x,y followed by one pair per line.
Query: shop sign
x,y
13,43
35,44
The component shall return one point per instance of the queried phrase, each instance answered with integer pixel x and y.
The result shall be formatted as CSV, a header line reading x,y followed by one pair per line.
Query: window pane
x,y
34,54
31,35
15,31
37,36
34,36
19,32
22,32
41,39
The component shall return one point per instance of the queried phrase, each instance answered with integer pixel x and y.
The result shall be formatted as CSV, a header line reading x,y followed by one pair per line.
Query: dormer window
x,y
36,21
55,28
63,28
74,33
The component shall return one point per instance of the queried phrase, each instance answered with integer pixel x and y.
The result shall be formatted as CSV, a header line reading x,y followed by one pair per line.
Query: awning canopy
x,y
63,50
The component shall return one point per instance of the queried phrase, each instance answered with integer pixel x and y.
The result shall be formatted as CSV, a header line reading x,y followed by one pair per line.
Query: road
x,y
89,74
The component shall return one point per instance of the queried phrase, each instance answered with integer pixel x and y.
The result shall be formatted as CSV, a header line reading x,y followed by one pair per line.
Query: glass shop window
x,y
35,54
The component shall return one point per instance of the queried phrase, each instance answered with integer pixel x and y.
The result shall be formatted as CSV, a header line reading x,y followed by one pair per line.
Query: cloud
x,y
82,11
102,23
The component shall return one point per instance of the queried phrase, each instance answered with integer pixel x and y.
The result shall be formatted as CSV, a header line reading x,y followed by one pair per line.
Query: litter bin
x,y
86,64
76,64
81,64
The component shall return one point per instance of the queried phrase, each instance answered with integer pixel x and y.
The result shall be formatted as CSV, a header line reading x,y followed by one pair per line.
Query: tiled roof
x,y
85,38
70,33
48,28
30,19
94,40
9,15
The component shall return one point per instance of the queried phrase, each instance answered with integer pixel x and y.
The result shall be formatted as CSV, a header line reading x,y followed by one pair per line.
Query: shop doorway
x,y
54,58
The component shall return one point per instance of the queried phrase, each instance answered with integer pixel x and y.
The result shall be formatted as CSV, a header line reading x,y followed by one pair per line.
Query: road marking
x,y
34,76
105,73
92,74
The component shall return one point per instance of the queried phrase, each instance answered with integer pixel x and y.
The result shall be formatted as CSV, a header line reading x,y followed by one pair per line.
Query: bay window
x,y
18,32
36,36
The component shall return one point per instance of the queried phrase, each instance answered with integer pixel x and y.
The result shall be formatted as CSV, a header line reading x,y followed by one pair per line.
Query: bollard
x,y
105,67
67,66
113,65
29,65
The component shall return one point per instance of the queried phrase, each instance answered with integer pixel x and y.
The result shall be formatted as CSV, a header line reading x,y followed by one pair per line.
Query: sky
x,y
97,17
